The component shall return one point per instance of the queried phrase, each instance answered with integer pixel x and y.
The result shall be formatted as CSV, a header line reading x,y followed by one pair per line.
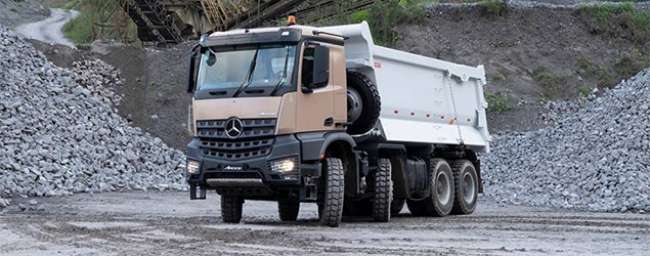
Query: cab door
x,y
321,97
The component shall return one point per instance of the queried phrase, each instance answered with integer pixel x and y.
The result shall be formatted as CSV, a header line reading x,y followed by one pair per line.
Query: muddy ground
x,y
155,223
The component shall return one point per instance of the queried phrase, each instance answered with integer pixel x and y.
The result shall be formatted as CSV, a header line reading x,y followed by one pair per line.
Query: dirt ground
x,y
168,223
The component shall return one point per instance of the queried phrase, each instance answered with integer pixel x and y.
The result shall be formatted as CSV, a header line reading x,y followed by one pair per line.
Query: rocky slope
x,y
60,133
595,155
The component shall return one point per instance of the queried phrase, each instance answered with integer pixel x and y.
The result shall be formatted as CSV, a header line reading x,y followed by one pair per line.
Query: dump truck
x,y
302,114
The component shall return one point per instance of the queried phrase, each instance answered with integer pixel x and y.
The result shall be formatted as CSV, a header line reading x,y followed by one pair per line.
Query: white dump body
x,y
423,100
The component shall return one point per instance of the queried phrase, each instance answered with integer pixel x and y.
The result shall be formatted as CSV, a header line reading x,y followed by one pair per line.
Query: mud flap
x,y
197,192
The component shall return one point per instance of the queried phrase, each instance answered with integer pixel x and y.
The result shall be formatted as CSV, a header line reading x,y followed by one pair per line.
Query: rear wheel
x,y
383,195
288,209
231,208
441,198
466,183
331,210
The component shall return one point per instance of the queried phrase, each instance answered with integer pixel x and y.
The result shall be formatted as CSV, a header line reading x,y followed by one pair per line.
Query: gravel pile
x,y
594,157
60,135
99,78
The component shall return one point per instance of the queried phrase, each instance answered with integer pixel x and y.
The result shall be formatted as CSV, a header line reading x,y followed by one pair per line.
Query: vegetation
x,y
497,77
383,16
628,66
493,7
551,83
584,90
603,77
498,102
99,19
609,75
619,20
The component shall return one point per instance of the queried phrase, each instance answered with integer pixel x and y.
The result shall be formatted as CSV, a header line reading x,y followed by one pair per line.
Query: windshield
x,y
269,66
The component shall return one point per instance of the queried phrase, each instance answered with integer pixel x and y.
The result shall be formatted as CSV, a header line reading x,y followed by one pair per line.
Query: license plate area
x,y
233,175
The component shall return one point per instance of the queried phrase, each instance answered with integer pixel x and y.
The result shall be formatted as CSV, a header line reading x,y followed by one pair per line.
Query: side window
x,y
308,66
315,66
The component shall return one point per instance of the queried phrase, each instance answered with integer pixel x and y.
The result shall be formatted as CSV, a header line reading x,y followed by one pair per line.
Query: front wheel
x,y
231,208
383,186
331,200
288,209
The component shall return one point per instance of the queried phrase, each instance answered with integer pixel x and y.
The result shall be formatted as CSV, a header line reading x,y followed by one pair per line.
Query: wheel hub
x,y
355,105
443,188
469,188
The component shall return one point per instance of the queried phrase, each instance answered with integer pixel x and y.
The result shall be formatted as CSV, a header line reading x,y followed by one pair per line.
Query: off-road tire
x,y
333,187
371,101
434,205
396,206
461,205
231,208
288,209
383,194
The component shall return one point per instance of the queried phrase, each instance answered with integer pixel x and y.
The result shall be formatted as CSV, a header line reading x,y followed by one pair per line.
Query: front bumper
x,y
252,176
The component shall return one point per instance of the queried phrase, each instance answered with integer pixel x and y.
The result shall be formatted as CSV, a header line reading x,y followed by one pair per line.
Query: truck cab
x,y
284,114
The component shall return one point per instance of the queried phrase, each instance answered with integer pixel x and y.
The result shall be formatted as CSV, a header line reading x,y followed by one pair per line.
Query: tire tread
x,y
332,209
231,208
288,209
368,89
458,167
381,209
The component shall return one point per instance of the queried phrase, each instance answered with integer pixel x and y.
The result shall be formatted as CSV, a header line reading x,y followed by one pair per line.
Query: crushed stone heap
x,y
596,157
100,78
59,137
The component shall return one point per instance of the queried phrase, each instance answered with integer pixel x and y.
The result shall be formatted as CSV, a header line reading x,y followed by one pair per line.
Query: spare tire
x,y
364,103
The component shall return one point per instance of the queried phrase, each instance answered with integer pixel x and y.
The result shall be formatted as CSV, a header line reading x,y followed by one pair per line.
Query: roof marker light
x,y
291,20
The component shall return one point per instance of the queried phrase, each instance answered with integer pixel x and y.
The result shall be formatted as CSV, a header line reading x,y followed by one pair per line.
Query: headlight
x,y
193,166
285,166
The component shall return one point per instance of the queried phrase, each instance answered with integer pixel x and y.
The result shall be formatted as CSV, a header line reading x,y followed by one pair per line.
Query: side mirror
x,y
193,70
316,68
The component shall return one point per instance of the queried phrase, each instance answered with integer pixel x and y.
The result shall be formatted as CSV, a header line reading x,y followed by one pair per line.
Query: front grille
x,y
255,140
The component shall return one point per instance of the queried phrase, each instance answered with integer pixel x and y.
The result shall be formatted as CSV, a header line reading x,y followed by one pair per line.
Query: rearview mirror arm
x,y
192,70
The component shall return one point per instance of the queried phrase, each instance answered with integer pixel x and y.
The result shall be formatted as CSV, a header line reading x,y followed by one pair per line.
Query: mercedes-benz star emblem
x,y
234,128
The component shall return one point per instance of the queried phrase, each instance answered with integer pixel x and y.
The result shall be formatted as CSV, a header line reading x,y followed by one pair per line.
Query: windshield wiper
x,y
284,74
277,86
251,69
